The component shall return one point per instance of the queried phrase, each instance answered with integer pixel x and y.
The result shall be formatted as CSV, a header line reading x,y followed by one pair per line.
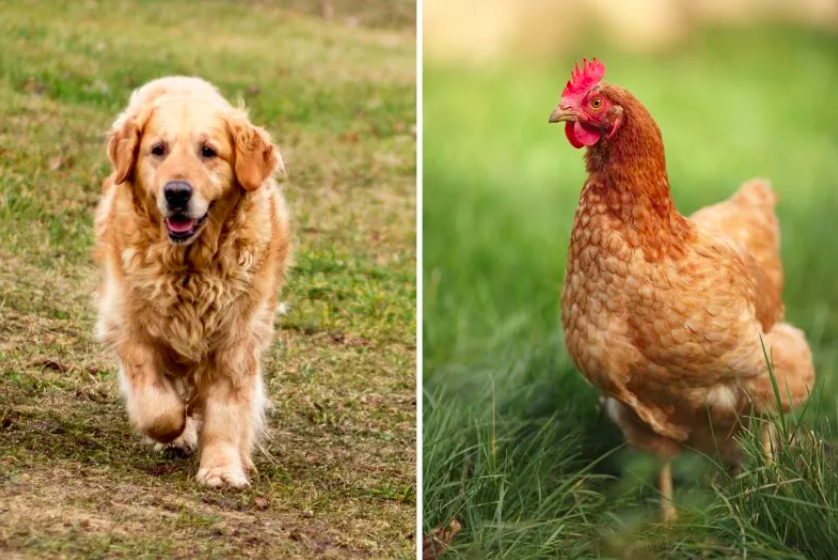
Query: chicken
x,y
665,314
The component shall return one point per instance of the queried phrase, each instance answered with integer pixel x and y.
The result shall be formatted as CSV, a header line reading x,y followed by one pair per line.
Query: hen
x,y
664,313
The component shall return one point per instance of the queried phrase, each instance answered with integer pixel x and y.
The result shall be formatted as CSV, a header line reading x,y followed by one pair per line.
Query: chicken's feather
x,y
666,314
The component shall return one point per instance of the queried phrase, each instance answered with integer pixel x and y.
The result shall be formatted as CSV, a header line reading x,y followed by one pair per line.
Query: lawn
x,y
516,448
336,88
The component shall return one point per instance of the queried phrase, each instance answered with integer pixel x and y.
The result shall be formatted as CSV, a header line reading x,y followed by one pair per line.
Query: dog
x,y
192,235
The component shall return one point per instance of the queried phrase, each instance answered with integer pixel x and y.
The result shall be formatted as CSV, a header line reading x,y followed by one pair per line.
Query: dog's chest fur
x,y
186,308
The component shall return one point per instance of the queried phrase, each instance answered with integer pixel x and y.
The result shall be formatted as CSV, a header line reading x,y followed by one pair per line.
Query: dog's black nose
x,y
177,194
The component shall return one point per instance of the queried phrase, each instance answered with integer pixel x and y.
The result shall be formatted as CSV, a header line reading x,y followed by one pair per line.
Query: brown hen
x,y
665,314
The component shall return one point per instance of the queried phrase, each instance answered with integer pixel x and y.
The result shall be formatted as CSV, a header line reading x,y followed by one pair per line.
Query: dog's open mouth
x,y
182,228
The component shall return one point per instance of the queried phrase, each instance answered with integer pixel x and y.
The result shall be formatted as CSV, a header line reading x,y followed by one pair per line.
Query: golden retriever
x,y
192,235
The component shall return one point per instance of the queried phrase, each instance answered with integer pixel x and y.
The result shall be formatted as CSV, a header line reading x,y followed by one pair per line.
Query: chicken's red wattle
x,y
580,136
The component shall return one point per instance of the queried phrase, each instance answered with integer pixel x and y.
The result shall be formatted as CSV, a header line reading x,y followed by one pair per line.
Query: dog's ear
x,y
123,145
256,158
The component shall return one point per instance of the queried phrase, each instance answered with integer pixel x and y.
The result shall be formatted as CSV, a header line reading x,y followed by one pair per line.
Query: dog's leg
x,y
154,407
229,395
252,431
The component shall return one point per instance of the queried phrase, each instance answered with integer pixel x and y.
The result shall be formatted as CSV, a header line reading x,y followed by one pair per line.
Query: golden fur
x,y
189,320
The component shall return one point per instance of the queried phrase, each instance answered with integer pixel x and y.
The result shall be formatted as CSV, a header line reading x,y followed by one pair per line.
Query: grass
x,y
337,472
516,447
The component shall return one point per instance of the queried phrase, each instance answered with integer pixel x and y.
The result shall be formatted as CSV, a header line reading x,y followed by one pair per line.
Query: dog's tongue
x,y
179,225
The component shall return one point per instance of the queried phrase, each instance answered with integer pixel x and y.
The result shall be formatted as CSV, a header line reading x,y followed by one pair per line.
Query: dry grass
x,y
337,471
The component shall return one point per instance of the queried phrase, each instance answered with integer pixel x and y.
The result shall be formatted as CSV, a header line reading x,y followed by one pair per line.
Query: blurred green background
x,y
515,446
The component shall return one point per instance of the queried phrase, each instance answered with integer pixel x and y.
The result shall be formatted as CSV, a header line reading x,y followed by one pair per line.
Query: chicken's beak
x,y
563,114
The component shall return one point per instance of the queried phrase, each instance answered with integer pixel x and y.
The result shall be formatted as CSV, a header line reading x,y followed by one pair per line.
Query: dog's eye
x,y
208,152
159,150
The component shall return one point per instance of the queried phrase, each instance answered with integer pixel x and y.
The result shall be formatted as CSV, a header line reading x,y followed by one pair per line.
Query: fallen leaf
x,y
348,340
60,162
439,541
51,364
34,87
55,163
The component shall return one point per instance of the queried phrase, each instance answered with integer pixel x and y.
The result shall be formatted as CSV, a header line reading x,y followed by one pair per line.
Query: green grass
x,y
515,444
337,472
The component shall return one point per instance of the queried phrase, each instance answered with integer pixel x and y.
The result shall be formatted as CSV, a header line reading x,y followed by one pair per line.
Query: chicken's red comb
x,y
584,79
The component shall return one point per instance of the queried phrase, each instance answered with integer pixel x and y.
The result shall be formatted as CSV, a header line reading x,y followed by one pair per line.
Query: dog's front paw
x,y
157,413
221,466
183,445
223,476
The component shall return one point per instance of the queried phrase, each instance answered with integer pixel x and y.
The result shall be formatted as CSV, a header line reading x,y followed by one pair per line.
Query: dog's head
x,y
185,153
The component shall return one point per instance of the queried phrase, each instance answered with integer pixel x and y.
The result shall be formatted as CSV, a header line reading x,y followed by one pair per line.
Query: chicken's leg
x,y
668,513
769,440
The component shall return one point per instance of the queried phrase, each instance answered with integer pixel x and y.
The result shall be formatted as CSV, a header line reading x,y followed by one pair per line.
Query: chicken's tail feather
x,y
791,365
748,219
756,192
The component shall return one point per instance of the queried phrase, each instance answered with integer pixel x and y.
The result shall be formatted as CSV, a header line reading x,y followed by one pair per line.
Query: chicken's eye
x,y
596,103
